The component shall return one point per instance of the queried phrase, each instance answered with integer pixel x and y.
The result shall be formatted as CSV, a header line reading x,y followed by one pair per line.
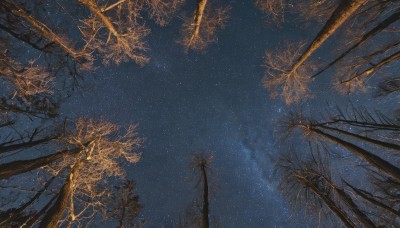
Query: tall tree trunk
x,y
46,32
383,50
370,198
372,159
31,221
329,203
370,140
384,24
25,145
345,9
375,67
106,21
122,219
17,167
377,126
4,218
364,220
201,5
205,210
50,220
49,111
24,38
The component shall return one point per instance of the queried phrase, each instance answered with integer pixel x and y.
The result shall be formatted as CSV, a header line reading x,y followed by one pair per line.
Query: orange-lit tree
x,y
201,30
96,151
115,32
293,78
101,149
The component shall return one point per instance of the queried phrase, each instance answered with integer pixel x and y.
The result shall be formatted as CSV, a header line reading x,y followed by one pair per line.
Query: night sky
x,y
206,102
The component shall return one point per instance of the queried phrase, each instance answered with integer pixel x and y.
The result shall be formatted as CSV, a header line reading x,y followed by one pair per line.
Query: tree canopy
x,y
81,168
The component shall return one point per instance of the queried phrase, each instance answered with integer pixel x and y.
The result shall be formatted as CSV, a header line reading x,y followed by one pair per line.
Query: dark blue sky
x,y
212,101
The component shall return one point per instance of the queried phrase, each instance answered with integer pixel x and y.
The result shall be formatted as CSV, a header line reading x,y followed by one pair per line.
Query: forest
x,y
331,151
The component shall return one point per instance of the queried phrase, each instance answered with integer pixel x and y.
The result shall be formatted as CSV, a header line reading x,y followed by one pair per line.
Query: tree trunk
x,y
49,111
96,10
122,219
383,50
375,67
372,200
31,221
372,159
205,211
50,220
370,140
22,166
377,126
384,24
364,220
329,203
9,216
43,29
24,145
201,5
345,9
24,38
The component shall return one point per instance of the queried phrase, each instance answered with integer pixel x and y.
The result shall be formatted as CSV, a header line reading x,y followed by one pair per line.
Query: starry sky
x,y
212,101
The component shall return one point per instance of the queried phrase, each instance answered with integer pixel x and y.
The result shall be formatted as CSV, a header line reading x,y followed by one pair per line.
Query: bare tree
x,y
33,220
101,151
124,205
95,150
52,218
201,163
306,184
35,138
201,31
114,31
81,57
375,142
13,168
371,33
26,81
356,80
363,118
197,214
348,201
14,215
374,200
15,140
313,129
387,188
57,54
294,86
37,106
343,11
28,88
338,17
